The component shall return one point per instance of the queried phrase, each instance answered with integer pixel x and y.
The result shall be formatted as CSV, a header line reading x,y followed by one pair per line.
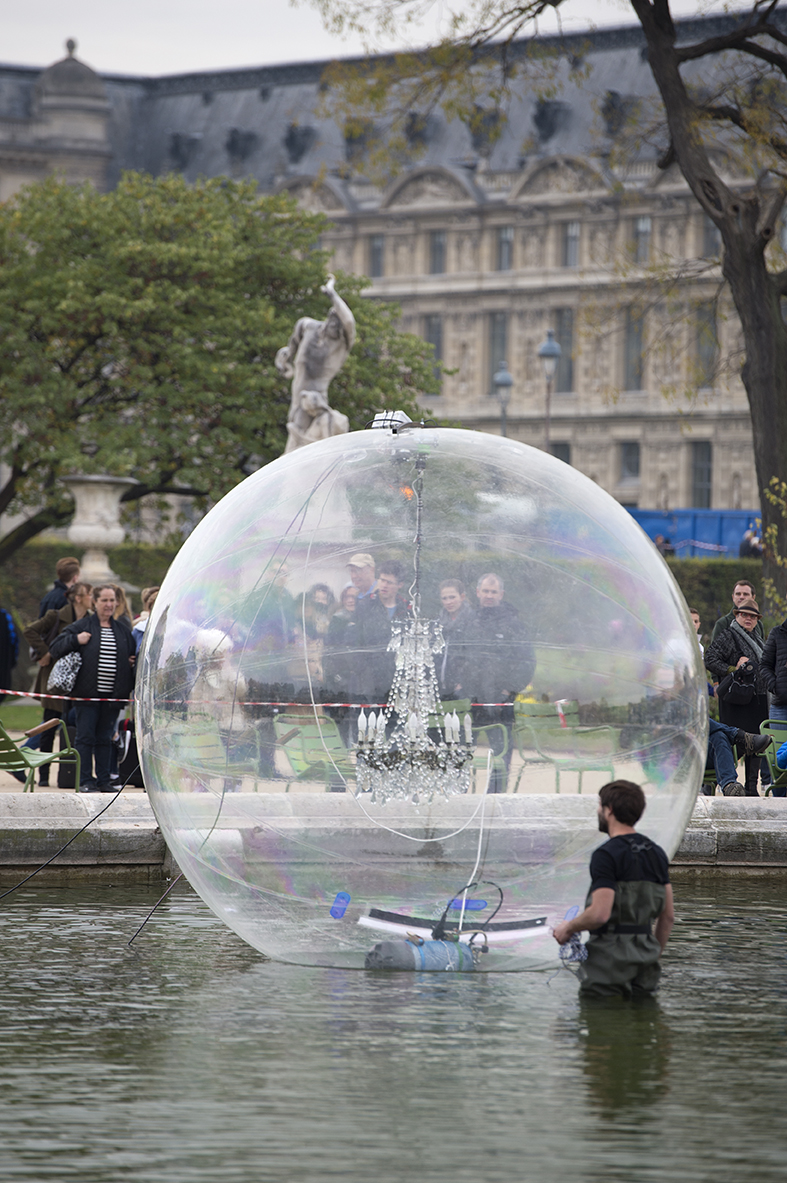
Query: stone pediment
x,y
561,174
427,189
316,197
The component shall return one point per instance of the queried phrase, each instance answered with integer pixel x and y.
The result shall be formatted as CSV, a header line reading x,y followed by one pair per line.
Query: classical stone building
x,y
53,121
486,243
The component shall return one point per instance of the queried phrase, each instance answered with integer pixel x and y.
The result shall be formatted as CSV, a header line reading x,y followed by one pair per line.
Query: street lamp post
x,y
549,351
502,383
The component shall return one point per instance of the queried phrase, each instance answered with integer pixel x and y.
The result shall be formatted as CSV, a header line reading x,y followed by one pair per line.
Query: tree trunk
x,y
740,219
764,376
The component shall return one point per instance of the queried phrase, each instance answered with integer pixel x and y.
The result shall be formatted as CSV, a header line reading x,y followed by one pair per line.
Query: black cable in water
x,y
439,930
489,919
67,844
153,909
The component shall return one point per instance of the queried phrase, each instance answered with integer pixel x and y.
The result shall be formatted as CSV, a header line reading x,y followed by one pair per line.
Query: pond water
x,y
191,1058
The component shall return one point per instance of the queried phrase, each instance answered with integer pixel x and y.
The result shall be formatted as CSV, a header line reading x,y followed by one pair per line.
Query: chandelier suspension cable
x,y
418,489
412,750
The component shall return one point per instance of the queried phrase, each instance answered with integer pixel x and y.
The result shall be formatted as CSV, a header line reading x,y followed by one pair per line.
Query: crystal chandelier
x,y
413,751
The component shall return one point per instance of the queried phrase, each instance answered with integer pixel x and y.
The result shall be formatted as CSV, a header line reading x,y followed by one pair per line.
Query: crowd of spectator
x,y
749,687
95,622
485,659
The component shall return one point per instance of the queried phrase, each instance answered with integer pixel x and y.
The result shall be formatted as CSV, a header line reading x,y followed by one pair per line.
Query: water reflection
x,y
193,1059
626,1048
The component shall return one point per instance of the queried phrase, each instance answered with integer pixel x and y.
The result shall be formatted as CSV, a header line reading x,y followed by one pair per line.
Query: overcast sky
x,y
174,36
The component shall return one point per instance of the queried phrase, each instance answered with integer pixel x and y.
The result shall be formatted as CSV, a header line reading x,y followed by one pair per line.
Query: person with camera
x,y
734,657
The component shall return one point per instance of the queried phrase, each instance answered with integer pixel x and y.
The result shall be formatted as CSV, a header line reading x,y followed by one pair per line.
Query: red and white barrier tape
x,y
228,702
60,697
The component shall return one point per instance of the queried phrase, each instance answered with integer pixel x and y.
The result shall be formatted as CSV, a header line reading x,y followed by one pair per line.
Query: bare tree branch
x,y
9,490
722,112
162,488
31,527
778,60
739,39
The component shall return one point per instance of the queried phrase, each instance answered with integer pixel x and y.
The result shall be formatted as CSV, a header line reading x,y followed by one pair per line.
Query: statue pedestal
x,y
96,525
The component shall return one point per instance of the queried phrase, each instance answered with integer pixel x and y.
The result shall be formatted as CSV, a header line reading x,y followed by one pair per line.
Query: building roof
x,y
71,78
272,123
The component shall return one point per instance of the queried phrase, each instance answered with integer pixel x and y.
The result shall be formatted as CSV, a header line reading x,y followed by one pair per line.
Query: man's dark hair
x,y
66,569
745,583
392,567
625,799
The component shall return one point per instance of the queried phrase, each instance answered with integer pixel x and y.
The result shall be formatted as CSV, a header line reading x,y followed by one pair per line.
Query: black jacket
x,y
56,598
500,661
774,664
719,657
451,664
368,635
724,653
86,685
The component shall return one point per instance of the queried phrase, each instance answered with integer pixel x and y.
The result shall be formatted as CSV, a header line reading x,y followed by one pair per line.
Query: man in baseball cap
x,y
361,567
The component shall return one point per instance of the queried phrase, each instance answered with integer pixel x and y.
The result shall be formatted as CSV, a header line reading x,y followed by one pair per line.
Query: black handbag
x,y
737,689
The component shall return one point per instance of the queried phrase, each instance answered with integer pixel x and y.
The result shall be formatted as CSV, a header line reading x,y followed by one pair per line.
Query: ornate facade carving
x,y
428,189
314,197
559,176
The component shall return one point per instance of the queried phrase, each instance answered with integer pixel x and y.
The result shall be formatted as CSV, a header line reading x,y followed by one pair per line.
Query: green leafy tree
x,y
138,331
723,103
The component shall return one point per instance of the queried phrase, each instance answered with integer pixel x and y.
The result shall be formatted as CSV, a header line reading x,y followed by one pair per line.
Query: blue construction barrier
x,y
700,533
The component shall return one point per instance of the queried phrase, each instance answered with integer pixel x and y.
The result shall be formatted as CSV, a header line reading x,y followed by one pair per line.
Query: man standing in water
x,y
629,892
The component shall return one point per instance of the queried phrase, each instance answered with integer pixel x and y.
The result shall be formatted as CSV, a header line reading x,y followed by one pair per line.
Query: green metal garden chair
x,y
15,758
315,750
777,729
562,741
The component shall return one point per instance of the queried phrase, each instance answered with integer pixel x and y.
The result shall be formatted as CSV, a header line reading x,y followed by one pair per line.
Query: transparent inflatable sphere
x,y
384,680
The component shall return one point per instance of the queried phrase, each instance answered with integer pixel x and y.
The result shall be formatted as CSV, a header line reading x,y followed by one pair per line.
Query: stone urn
x,y
96,525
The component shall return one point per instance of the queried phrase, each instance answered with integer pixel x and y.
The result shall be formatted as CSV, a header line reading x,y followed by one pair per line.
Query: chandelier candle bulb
x,y
468,729
361,726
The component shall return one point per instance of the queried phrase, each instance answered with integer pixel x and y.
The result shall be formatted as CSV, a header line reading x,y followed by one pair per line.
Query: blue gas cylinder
x,y
424,955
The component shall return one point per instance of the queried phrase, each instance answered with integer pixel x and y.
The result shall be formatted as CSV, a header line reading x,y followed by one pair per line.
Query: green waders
x,y
623,956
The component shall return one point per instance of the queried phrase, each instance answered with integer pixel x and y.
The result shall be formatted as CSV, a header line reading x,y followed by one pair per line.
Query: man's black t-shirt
x,y
627,857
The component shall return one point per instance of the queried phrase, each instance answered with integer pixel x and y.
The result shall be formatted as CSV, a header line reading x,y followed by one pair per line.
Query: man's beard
x,y
603,824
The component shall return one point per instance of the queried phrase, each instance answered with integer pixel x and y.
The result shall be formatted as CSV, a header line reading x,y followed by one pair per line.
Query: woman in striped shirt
x,y
105,679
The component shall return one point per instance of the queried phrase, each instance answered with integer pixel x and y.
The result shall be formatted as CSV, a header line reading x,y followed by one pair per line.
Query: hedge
x,y
706,583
